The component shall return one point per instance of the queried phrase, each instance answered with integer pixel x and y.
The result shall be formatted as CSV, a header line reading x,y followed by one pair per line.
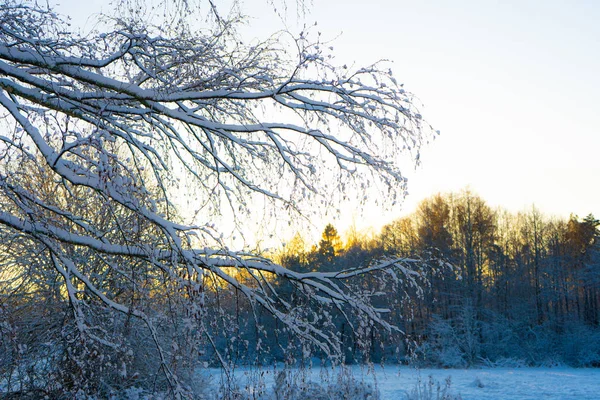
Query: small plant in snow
x,y
432,390
346,387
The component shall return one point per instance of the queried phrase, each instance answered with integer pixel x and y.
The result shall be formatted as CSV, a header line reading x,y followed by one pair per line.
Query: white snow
x,y
497,383
394,382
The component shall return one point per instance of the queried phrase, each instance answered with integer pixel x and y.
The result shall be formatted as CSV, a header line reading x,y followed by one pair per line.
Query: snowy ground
x,y
499,383
395,383
489,383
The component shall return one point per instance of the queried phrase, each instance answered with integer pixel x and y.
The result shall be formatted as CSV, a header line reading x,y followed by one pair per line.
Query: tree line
x,y
519,287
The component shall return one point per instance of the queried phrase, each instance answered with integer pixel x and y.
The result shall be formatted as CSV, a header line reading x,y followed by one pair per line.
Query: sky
x,y
513,86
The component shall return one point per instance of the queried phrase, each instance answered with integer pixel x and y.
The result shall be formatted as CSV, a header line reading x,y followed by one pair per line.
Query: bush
x,y
581,346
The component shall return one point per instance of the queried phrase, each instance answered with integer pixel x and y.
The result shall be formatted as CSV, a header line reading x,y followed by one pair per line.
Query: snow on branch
x,y
98,132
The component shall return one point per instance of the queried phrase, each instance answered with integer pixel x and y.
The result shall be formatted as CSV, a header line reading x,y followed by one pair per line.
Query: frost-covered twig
x,y
98,130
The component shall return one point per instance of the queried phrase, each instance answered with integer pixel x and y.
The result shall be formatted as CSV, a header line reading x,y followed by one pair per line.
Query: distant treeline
x,y
522,288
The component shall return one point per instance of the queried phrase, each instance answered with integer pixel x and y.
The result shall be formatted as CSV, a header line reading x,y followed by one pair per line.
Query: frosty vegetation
x,y
524,289
104,282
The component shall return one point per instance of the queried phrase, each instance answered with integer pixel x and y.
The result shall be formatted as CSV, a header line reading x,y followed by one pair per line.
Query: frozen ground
x,y
394,383
499,383
488,383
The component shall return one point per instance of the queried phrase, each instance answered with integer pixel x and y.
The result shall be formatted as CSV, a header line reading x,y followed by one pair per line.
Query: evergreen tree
x,y
329,246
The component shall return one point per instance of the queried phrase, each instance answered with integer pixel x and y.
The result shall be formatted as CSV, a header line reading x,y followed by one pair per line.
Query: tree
x,y
329,245
533,234
582,245
475,229
119,122
294,254
434,223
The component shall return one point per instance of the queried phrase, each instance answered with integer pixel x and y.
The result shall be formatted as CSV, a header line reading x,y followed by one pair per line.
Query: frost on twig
x,y
101,132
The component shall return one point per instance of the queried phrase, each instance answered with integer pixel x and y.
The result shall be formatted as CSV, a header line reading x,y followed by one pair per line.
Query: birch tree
x,y
101,133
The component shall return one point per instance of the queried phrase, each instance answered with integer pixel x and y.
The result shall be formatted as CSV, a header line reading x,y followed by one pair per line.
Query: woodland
x,y
518,288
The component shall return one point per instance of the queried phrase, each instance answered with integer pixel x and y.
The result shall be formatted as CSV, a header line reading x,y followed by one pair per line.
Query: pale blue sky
x,y
514,87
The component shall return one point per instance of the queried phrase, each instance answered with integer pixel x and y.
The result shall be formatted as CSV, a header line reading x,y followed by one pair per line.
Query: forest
x,y
519,289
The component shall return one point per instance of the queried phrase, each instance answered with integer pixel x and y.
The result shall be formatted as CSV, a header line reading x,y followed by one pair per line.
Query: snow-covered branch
x,y
99,131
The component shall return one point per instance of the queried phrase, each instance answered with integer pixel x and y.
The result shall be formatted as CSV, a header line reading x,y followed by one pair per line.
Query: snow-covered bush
x,y
441,347
541,346
500,341
581,345
452,343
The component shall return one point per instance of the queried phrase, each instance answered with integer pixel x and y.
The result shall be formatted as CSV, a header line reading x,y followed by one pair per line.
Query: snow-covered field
x,y
498,383
396,382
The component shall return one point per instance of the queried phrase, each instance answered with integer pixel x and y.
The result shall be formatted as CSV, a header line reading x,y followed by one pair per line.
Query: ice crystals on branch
x,y
113,121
